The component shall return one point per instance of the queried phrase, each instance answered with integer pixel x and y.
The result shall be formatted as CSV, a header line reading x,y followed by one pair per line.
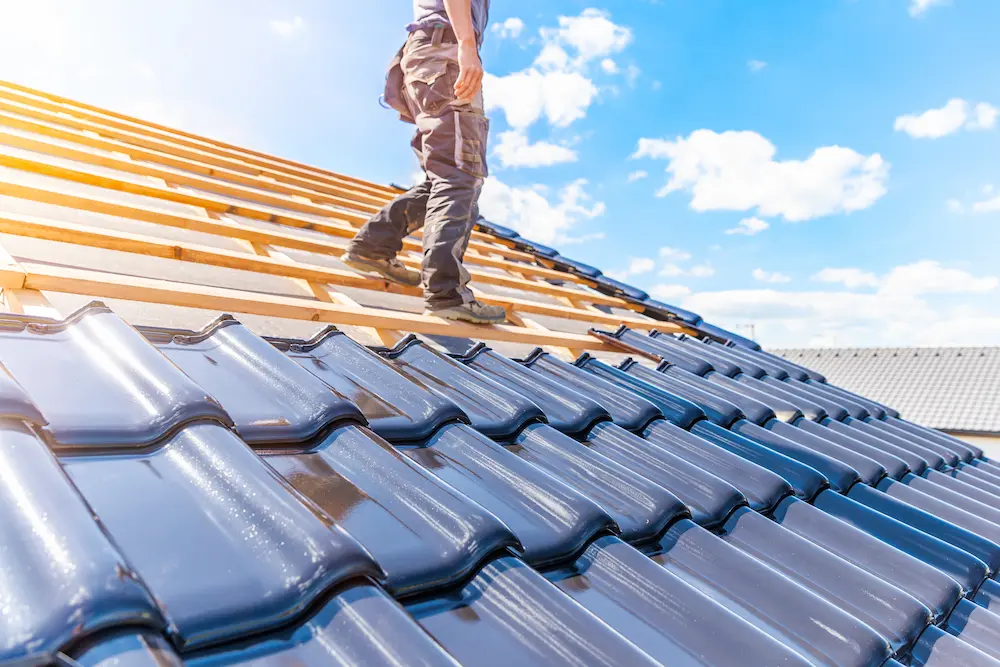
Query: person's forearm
x,y
460,16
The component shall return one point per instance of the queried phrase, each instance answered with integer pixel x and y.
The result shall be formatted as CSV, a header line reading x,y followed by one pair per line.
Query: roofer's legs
x,y
374,248
451,146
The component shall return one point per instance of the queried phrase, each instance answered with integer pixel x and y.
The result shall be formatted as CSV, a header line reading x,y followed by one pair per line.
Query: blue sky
x,y
853,143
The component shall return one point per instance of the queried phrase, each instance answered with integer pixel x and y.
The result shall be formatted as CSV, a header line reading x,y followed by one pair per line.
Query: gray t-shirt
x,y
427,13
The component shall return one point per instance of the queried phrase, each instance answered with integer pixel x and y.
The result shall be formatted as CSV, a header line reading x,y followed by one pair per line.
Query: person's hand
x,y
470,74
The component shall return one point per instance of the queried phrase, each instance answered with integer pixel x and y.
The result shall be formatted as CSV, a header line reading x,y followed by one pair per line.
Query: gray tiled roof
x,y
948,388
211,497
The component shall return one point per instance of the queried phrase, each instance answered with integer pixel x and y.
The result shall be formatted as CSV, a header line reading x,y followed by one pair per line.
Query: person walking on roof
x,y
435,82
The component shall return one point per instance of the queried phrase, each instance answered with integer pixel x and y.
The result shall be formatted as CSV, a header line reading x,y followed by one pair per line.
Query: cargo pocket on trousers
x,y
431,86
473,130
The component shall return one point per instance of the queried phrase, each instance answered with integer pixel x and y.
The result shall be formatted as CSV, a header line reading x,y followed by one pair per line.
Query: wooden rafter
x,y
268,262
61,105
101,284
105,151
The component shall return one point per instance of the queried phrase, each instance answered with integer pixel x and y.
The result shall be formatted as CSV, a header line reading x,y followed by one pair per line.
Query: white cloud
x,y
984,117
756,65
930,277
509,29
736,171
918,7
987,206
288,28
849,277
949,119
935,123
666,292
562,97
666,252
557,85
919,278
514,150
773,277
672,270
637,266
530,211
592,34
749,227
553,57
813,318
637,176
641,265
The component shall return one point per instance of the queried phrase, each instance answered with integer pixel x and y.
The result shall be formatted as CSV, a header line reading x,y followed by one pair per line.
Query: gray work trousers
x,y
450,144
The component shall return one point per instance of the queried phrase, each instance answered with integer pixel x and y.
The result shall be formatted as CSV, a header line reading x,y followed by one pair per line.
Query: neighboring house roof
x,y
949,388
269,489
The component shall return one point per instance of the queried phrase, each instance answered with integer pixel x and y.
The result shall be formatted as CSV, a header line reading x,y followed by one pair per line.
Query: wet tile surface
x,y
213,497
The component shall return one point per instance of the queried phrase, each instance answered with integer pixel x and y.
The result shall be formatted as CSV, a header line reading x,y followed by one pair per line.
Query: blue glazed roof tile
x,y
572,266
756,411
397,407
641,509
613,287
99,384
762,488
535,627
551,520
494,409
709,499
127,648
676,409
938,592
633,342
566,410
662,614
627,410
805,480
63,579
424,534
826,634
840,475
665,311
897,616
225,545
717,410
274,500
270,398
358,627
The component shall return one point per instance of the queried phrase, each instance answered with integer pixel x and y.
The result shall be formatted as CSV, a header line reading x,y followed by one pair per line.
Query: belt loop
x,y
438,38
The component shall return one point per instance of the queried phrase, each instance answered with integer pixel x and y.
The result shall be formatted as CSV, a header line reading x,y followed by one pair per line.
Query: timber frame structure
x,y
82,162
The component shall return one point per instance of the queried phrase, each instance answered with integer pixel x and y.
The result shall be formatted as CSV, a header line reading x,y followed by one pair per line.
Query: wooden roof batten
x,y
65,155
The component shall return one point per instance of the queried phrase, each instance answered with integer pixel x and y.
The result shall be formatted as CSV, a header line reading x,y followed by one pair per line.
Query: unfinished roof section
x,y
949,388
96,204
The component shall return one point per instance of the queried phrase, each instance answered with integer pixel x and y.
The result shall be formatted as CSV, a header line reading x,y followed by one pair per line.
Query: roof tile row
x,y
217,498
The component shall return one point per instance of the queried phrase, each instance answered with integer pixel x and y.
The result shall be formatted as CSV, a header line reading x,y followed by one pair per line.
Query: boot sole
x,y
470,319
373,271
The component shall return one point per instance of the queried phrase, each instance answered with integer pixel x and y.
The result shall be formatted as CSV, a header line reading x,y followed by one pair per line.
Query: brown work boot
x,y
475,312
390,269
